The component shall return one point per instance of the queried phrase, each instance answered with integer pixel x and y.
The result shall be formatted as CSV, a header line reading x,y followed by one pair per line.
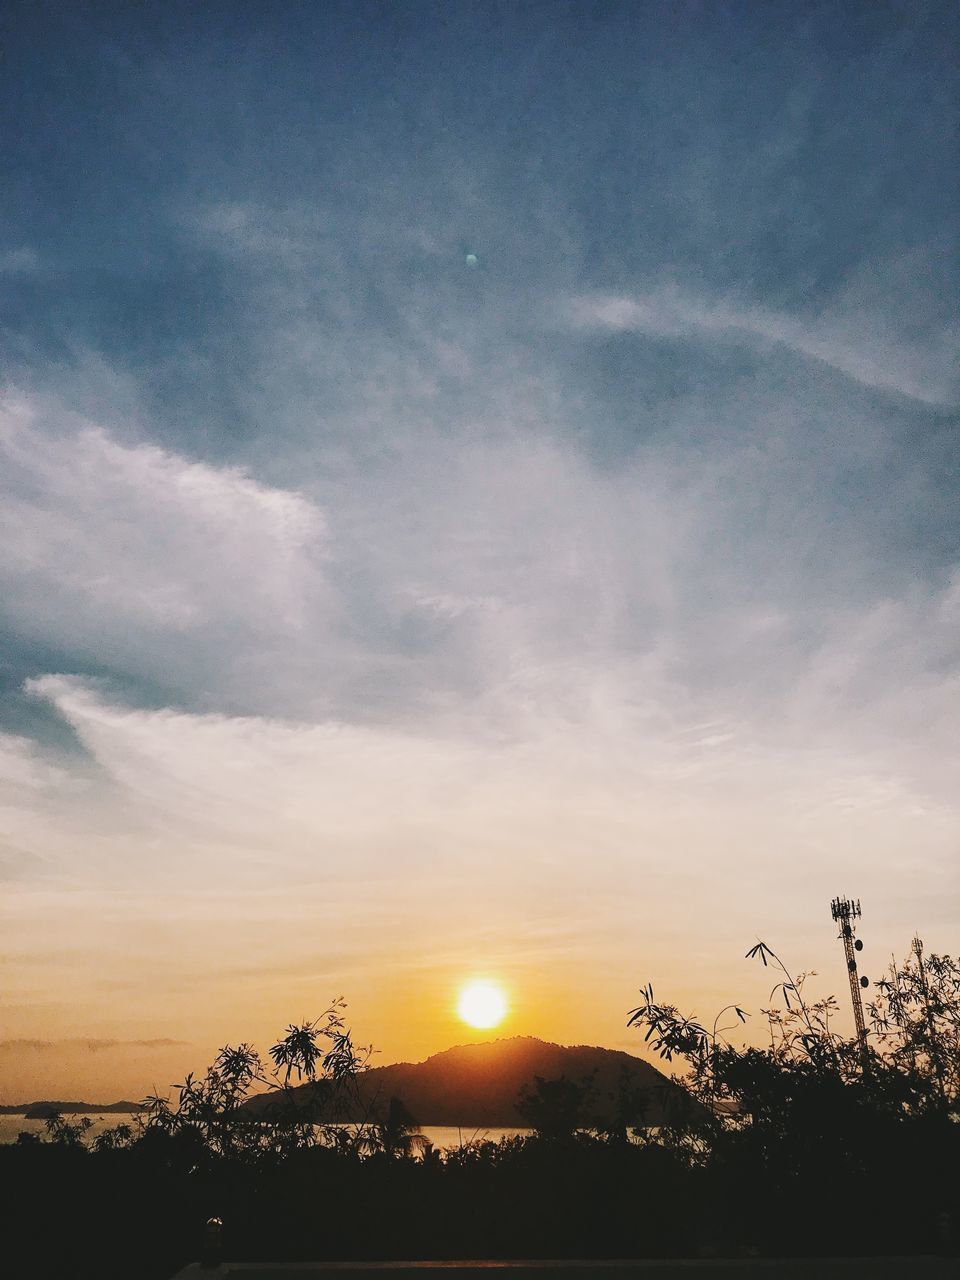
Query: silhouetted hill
x,y
477,1085
41,1110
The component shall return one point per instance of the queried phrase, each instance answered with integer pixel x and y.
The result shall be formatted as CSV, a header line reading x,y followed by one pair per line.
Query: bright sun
x,y
482,1004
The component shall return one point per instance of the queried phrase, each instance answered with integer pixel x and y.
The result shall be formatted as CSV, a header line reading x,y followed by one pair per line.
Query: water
x,y
449,1137
443,1137
10,1126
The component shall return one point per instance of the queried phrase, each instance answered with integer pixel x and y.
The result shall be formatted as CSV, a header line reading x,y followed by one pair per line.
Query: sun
x,y
482,1004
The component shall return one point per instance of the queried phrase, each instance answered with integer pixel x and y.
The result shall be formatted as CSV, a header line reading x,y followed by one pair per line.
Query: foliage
x,y
394,1133
554,1109
68,1133
913,1053
809,1120
209,1116
916,1022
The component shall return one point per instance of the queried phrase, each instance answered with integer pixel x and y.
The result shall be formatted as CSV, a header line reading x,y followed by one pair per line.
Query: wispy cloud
x,y
91,1045
841,341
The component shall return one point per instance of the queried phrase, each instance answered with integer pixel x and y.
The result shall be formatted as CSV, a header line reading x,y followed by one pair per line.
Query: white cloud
x,y
336,802
847,338
124,551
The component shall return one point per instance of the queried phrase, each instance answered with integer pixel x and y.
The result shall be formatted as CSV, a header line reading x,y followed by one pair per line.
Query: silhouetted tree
x,y
804,1122
916,1021
396,1132
210,1108
554,1109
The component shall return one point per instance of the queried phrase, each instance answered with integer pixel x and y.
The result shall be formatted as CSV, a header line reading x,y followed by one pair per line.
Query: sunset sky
x,y
478,500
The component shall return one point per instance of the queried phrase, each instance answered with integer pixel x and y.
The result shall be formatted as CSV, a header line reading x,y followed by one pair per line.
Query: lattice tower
x,y
846,912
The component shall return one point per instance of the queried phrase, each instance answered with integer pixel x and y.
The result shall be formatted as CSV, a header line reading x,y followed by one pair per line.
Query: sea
x,y
442,1137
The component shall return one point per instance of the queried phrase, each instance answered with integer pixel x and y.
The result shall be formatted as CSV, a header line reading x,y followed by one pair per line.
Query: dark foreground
x,y
141,1212
713,1269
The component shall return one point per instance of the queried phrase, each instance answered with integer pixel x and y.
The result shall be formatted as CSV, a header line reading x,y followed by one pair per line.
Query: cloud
x,y
91,1045
839,336
490,584
24,768
126,552
363,808
137,528
32,788
577,824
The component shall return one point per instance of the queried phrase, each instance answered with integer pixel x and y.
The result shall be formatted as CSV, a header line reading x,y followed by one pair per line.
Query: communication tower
x,y
846,912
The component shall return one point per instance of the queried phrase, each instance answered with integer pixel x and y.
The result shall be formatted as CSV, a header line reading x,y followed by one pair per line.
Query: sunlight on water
x,y
442,1137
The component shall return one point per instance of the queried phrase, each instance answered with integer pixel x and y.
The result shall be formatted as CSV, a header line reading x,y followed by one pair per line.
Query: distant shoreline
x,y
41,1110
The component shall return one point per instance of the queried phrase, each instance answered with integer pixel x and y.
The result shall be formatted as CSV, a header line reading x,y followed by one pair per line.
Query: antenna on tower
x,y
846,912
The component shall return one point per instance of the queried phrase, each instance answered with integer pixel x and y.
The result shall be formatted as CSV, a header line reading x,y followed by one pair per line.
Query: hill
x,y
477,1086
41,1110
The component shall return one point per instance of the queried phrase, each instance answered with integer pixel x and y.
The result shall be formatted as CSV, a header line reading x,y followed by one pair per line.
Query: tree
x,y
396,1133
210,1110
916,1020
554,1109
803,1125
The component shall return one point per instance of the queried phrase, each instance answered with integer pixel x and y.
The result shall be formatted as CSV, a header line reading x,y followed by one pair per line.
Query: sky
x,y
478,499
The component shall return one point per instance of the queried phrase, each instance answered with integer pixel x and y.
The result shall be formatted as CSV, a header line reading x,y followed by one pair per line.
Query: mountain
x,y
477,1085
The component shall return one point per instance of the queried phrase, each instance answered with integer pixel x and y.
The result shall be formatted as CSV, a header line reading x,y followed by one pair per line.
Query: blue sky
x,y
611,575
